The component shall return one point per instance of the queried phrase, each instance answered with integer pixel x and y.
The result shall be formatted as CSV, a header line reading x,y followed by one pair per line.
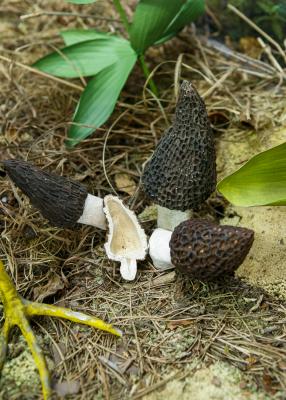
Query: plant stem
x,y
122,14
147,73
145,69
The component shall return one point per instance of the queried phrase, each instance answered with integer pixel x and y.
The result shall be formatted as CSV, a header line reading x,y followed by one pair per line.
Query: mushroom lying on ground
x,y
64,203
204,250
181,174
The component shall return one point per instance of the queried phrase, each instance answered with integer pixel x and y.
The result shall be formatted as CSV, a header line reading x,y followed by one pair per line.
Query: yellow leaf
x,y
125,183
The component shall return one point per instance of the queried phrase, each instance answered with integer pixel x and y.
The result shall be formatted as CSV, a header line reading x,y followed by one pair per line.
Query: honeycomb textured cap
x,y
181,174
204,250
59,199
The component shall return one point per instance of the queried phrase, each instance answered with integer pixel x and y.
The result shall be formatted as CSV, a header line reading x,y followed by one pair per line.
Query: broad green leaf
x,y
261,181
151,19
81,1
190,11
73,36
99,98
84,58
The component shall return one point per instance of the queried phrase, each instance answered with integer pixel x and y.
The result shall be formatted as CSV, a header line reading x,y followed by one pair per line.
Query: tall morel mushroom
x,y
181,174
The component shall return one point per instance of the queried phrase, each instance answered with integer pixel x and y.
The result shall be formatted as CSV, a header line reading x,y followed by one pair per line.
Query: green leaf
x,y
73,36
99,99
84,58
190,11
151,19
81,1
261,181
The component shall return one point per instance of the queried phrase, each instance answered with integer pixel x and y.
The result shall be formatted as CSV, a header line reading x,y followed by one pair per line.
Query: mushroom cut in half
x,y
204,250
127,241
181,174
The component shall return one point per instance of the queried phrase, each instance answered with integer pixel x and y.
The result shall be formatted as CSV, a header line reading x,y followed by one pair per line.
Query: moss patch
x,y
216,382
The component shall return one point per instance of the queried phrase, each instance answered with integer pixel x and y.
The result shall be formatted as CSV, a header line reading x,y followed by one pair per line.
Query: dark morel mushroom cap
x,y
204,250
181,174
59,199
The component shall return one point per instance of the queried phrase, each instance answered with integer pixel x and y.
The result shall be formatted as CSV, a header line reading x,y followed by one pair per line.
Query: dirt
x,y
265,266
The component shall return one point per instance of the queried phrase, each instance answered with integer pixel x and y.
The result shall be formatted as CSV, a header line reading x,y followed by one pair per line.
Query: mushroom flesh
x,y
127,241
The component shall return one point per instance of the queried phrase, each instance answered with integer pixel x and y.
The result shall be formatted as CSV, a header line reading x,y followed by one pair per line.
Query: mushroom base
x,y
159,248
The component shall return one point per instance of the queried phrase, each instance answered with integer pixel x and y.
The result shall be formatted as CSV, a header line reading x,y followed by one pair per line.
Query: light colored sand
x,y
265,265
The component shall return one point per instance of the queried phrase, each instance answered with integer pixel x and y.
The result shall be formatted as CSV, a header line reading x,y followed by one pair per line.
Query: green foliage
x,y
150,21
273,14
189,12
109,59
85,58
269,15
99,98
73,36
261,181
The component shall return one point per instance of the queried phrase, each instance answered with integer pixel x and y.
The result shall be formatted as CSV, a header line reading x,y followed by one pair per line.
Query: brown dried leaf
x,y
180,322
125,183
250,46
52,287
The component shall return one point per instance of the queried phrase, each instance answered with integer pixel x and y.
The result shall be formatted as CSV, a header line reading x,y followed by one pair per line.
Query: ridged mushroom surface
x,y
204,250
181,174
60,200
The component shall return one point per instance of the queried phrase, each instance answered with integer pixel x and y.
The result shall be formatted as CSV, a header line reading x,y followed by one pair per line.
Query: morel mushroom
x,y
202,249
62,201
181,174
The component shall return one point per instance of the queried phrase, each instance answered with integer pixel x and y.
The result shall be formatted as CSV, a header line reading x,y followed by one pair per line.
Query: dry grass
x,y
167,322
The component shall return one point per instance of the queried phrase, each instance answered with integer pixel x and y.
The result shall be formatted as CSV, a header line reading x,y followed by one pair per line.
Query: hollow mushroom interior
x,y
126,240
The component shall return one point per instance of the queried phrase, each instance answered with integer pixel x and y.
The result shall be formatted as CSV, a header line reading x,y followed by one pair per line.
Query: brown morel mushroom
x,y
205,250
181,174
62,201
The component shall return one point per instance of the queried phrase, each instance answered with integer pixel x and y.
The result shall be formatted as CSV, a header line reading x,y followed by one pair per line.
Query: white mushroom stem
x,y
128,268
169,219
93,213
159,248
